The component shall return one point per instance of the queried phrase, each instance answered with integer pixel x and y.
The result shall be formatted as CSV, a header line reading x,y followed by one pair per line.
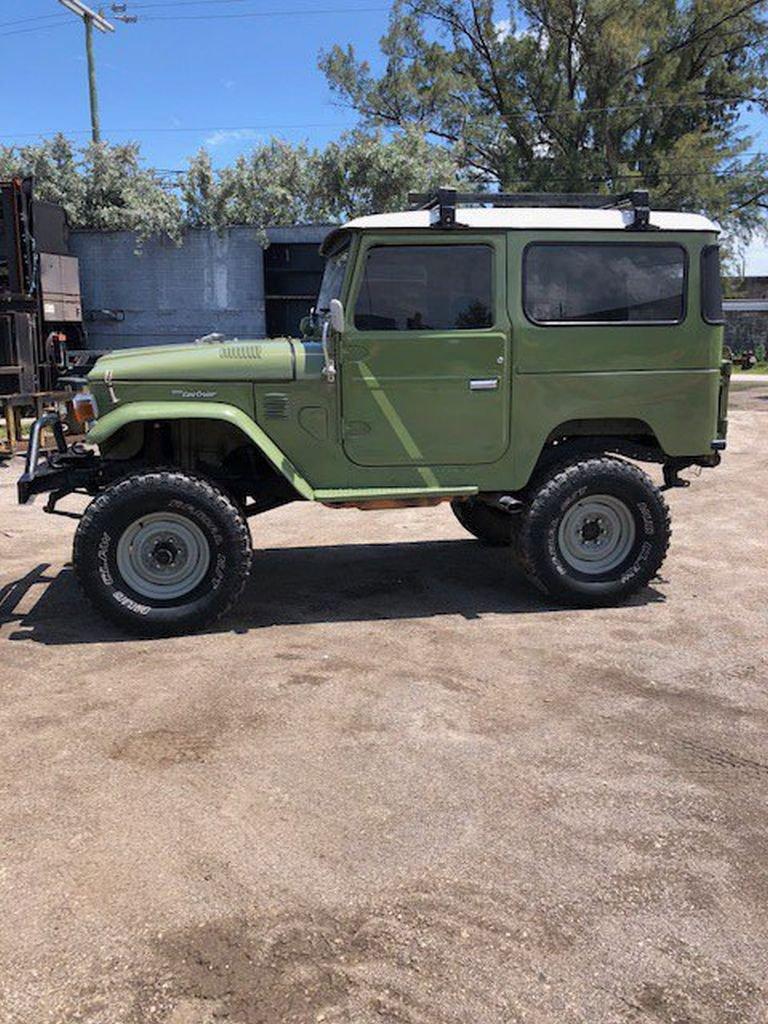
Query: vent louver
x,y
240,352
276,406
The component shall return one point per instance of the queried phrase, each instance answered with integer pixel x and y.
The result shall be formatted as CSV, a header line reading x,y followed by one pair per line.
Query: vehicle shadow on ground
x,y
298,586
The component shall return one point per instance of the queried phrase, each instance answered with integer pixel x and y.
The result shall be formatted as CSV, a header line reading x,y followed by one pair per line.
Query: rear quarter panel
x,y
665,375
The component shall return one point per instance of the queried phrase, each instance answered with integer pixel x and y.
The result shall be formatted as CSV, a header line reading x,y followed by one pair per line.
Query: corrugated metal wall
x,y
164,293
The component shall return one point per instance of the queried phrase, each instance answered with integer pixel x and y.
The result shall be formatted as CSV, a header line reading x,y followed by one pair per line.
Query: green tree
x,y
279,184
366,173
54,165
580,95
272,185
119,193
100,186
202,196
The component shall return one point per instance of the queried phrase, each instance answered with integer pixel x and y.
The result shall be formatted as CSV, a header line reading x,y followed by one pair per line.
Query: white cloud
x,y
504,27
223,136
228,83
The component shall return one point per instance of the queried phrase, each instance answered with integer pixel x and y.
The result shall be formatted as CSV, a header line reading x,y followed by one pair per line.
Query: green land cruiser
x,y
515,355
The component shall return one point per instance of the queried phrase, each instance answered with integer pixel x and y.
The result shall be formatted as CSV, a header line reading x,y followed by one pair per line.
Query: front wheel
x,y
595,532
162,553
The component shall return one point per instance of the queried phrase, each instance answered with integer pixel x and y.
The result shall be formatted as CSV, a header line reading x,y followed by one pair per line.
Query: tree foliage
x,y
108,188
580,95
364,172
280,184
100,186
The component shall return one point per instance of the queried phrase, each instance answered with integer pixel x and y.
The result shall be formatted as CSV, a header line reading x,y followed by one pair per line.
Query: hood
x,y
228,360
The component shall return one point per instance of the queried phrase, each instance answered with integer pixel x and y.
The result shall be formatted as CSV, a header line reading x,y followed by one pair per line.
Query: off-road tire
x,y
490,525
218,536
546,545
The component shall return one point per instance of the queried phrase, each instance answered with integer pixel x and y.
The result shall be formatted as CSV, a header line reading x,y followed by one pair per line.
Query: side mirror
x,y
336,309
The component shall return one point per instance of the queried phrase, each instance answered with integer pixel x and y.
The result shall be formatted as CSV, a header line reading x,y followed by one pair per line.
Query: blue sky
x,y
193,78
195,73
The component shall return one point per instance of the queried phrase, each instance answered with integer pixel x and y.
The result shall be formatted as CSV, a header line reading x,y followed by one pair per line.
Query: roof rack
x,y
446,201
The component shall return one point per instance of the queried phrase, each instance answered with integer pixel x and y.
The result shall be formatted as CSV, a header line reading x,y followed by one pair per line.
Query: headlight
x,y
84,407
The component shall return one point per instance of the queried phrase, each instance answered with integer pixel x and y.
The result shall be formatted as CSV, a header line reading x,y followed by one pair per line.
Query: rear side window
x,y
711,286
623,282
426,288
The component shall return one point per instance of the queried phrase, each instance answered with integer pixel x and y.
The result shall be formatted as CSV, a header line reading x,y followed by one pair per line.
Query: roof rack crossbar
x,y
446,201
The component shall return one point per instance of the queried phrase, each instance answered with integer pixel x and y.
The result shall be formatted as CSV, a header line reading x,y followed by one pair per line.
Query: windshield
x,y
333,278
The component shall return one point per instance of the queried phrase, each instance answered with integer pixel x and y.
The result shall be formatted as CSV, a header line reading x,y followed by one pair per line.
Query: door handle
x,y
484,384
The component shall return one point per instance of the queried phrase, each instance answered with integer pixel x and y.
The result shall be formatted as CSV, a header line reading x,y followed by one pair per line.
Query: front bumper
x,y
59,471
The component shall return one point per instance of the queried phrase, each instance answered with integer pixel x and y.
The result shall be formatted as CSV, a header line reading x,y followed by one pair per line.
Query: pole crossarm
x,y
87,14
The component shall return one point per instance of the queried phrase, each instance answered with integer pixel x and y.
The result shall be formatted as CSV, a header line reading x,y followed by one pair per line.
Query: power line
x,y
37,28
275,126
196,17
635,176
183,3
177,128
37,17
261,14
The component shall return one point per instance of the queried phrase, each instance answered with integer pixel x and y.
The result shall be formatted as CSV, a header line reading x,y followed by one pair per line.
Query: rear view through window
x,y
425,288
596,283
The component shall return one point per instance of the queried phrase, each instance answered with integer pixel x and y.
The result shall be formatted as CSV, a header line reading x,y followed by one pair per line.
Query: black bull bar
x,y
59,471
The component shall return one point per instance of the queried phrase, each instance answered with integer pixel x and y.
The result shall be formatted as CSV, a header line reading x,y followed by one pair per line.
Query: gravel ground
x,y
396,786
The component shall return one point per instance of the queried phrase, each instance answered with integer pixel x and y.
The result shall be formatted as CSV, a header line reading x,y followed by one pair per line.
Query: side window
x,y
426,288
623,282
711,286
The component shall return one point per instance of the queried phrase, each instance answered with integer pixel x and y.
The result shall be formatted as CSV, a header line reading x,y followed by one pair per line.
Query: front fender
x,y
132,412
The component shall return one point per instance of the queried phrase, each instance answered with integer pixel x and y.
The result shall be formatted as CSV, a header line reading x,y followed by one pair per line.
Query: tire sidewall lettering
x,y
129,604
193,512
646,516
102,560
218,575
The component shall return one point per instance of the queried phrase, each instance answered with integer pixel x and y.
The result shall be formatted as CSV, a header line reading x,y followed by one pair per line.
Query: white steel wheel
x,y
163,556
596,534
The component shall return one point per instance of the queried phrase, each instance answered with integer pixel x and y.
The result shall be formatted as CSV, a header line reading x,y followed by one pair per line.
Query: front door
x,y
425,355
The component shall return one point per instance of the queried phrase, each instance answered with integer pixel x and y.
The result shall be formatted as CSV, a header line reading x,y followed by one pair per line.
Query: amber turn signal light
x,y
84,407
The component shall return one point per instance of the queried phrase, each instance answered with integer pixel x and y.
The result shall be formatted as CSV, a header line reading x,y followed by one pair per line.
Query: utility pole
x,y
91,19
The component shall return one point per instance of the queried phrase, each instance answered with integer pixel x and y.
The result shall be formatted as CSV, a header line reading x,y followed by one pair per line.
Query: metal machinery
x,y
40,308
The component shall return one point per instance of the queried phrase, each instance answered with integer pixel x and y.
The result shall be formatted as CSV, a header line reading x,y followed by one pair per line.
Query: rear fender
x,y
135,412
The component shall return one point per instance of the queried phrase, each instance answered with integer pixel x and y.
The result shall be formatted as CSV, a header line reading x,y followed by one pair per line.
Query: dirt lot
x,y
396,786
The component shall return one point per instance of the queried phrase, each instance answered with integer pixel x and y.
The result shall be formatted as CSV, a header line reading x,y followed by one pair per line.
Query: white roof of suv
x,y
534,218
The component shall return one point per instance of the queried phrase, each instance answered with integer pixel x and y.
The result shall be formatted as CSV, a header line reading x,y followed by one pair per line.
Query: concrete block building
x,y
158,293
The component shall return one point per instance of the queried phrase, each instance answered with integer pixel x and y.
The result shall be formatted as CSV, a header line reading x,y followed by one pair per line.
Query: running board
x,y
345,495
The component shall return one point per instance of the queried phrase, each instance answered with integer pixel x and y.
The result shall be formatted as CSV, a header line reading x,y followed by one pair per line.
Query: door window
x,y
426,288
622,282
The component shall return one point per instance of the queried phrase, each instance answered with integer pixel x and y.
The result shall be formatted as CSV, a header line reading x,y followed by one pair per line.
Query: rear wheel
x,y
162,553
595,532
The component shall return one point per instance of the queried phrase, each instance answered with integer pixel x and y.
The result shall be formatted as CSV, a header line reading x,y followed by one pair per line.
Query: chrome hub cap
x,y
163,555
596,534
